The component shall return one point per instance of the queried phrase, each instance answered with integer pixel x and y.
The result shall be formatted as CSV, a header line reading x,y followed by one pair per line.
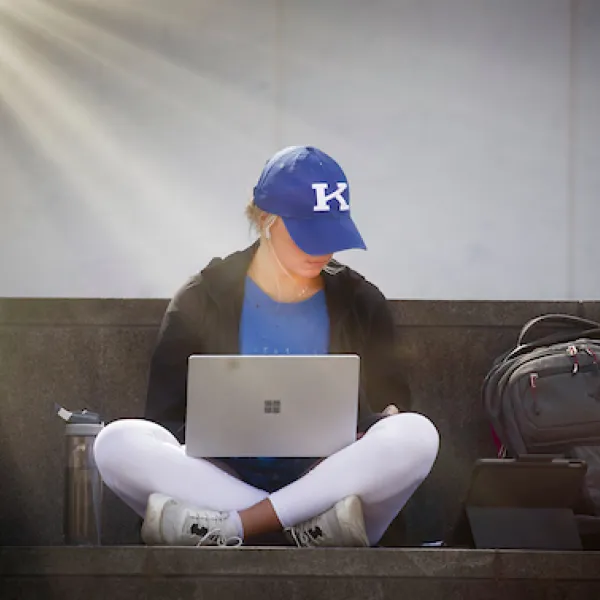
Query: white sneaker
x,y
341,526
171,523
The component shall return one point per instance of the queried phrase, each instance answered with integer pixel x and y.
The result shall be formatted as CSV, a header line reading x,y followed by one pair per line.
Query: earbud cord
x,y
272,249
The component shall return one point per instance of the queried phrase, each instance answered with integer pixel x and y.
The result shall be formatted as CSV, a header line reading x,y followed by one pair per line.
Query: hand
x,y
388,411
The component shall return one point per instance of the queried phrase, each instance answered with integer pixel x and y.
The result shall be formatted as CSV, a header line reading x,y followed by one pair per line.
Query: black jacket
x,y
204,318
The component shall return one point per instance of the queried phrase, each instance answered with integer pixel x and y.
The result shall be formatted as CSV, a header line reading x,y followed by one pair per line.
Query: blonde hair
x,y
257,217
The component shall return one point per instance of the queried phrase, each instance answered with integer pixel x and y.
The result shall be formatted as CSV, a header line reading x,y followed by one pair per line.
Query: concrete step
x,y
140,573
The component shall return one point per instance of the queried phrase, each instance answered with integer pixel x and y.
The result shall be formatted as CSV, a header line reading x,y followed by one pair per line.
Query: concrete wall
x,y
94,354
131,134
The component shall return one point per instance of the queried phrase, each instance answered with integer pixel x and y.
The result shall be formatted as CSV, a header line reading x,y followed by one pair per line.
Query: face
x,y
291,257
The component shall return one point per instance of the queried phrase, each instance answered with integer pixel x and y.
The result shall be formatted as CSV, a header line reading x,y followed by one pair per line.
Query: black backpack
x,y
543,396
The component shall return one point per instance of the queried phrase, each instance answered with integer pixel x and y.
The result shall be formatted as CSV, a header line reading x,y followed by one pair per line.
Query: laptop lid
x,y
276,406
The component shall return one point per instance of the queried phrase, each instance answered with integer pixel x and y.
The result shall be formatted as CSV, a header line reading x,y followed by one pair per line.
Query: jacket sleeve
x,y
383,381
178,338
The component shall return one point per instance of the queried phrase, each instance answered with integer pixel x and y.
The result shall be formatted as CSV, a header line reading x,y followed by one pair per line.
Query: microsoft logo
x,y
272,406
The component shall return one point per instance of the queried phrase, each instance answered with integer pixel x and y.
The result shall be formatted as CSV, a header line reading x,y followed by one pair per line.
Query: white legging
x,y
384,468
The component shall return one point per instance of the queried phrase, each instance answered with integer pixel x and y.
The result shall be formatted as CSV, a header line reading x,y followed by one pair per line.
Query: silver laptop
x,y
278,406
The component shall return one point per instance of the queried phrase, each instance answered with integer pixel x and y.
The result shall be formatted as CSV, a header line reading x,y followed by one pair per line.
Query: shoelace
x,y
213,533
302,539
215,536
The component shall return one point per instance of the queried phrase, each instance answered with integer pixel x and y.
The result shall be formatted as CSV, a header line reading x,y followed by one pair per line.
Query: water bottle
x,y
83,484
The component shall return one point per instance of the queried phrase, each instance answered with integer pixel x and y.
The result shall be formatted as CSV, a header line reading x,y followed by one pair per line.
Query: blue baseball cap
x,y
310,192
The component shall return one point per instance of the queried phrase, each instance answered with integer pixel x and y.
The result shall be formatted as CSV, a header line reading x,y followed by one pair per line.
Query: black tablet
x,y
524,503
526,482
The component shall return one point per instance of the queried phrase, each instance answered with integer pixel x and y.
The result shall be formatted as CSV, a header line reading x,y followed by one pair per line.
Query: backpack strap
x,y
555,338
566,321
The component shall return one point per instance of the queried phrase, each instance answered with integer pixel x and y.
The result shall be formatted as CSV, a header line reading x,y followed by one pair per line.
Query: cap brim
x,y
324,234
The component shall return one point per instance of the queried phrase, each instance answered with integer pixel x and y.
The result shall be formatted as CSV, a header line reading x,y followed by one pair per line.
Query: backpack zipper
x,y
533,377
573,352
548,372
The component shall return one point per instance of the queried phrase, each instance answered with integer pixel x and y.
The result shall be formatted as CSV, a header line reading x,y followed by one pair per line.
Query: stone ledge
x,y
476,313
451,564
60,312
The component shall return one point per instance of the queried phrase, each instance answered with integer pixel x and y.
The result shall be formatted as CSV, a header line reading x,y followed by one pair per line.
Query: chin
x,y
310,271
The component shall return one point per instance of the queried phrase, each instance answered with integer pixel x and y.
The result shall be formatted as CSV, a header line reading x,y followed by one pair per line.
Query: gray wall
x,y
131,133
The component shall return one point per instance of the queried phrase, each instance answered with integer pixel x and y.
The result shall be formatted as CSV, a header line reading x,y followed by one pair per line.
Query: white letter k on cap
x,y
322,201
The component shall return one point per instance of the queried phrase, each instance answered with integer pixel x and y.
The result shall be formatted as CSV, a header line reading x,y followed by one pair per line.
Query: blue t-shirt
x,y
271,327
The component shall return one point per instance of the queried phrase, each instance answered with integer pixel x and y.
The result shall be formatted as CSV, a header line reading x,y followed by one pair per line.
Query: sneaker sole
x,y
151,526
351,513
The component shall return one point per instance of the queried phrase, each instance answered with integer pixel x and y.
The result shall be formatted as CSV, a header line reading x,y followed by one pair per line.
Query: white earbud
x,y
268,228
